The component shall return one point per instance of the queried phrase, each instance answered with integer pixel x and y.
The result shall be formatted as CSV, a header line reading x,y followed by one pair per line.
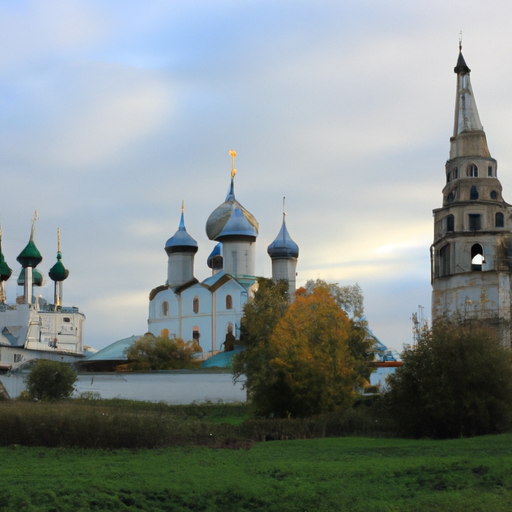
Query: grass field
x,y
345,474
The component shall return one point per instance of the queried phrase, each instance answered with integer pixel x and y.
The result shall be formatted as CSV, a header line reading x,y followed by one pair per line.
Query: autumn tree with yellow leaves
x,y
298,359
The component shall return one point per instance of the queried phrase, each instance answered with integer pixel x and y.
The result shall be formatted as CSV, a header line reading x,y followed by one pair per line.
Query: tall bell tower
x,y
470,255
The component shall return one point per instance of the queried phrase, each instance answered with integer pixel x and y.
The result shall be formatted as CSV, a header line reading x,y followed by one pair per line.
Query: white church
x,y
210,311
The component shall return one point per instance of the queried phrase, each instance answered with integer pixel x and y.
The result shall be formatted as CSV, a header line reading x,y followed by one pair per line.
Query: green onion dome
x,y
37,278
58,272
30,256
5,271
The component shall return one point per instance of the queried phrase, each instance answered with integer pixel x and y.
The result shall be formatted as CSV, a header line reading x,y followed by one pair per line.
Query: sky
x,y
113,112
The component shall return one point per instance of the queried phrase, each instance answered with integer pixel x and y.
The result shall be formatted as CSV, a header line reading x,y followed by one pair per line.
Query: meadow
x,y
349,474
107,455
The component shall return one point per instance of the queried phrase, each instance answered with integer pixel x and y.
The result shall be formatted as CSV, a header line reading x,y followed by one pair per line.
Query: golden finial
x,y
232,152
182,205
284,209
58,239
460,40
33,228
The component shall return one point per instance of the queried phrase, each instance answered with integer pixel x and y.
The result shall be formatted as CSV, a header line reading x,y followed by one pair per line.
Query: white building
x,y
210,311
470,255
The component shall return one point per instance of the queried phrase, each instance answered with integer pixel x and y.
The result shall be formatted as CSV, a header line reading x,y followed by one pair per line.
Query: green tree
x,y
162,353
50,380
456,381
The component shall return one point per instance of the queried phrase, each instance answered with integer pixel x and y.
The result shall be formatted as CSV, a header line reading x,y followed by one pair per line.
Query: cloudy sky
x,y
113,112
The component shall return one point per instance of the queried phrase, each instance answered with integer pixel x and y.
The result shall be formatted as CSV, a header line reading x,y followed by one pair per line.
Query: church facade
x,y
210,311
470,255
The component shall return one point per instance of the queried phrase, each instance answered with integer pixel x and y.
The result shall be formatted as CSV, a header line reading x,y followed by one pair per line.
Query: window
x,y
475,223
473,194
66,319
489,171
449,177
229,302
451,196
195,305
455,173
165,308
444,261
477,257
195,333
494,194
450,223
472,171
499,220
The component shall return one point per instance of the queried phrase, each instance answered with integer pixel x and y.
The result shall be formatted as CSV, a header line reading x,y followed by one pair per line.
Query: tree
x,y
298,361
456,381
50,380
162,353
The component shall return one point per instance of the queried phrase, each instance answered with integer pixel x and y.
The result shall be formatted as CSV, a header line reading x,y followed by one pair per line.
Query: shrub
x,y
50,380
457,381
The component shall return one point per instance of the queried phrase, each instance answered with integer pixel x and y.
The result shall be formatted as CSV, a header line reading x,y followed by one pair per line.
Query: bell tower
x,y
470,263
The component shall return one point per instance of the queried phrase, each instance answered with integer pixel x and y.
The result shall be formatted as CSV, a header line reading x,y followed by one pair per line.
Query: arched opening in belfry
x,y
477,257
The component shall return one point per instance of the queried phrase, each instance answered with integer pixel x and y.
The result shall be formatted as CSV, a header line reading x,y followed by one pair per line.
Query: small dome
x,y
216,223
181,241
37,278
30,256
237,225
215,258
5,271
283,247
58,272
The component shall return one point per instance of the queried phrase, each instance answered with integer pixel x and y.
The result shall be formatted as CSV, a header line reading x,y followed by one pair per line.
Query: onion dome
x,y
181,241
5,271
214,261
58,272
241,221
37,278
283,247
30,256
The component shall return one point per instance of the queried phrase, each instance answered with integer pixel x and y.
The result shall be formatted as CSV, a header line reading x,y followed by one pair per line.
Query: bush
x,y
456,382
50,380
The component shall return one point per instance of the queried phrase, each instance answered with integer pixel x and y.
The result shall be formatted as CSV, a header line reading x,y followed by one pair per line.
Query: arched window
x,y
494,194
195,333
473,194
450,223
499,220
477,257
444,261
229,302
475,222
195,305
165,308
472,171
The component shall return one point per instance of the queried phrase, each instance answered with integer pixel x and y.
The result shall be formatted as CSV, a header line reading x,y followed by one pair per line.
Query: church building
x,y
210,311
470,258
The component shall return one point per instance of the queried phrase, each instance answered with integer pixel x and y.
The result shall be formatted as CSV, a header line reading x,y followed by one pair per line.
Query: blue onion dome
x,y
181,241
214,261
283,247
58,272
237,225
242,221
5,271
37,278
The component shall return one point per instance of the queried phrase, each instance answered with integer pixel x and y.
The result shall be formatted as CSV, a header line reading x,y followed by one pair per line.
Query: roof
x,y
222,359
115,351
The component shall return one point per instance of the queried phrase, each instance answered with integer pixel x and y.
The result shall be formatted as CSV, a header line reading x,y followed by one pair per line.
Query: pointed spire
x,y
468,133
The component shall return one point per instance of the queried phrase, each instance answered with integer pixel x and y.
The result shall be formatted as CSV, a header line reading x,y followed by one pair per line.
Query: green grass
x,y
345,474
